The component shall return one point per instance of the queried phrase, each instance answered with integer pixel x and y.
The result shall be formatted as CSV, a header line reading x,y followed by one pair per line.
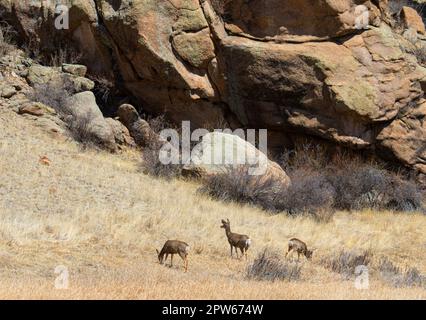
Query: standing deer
x,y
239,241
174,247
300,247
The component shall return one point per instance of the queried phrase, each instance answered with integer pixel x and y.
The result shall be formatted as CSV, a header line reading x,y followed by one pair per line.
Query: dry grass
x,y
98,215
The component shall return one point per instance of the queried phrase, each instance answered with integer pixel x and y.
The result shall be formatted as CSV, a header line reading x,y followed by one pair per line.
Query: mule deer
x,y
174,247
300,247
237,241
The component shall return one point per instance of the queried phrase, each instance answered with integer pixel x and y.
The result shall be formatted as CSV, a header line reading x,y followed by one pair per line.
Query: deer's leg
x,y
185,260
242,252
298,256
288,251
165,259
171,260
231,250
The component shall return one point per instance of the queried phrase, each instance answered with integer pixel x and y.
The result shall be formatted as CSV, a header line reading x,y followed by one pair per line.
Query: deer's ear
x,y
228,220
223,221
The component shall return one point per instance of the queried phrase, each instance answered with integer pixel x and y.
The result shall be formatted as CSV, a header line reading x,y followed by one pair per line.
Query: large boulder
x,y
138,128
218,151
85,114
41,75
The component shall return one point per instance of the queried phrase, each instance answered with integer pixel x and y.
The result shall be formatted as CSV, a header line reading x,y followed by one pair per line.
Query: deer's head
x,y
309,254
226,224
160,256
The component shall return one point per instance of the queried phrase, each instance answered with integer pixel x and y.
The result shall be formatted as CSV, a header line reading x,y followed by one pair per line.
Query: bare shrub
x,y
6,39
398,278
104,88
63,55
80,130
269,266
310,192
305,155
345,262
53,94
238,185
152,165
357,188
56,94
159,123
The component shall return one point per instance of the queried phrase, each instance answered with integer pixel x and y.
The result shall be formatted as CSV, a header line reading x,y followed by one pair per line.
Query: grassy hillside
x,y
96,214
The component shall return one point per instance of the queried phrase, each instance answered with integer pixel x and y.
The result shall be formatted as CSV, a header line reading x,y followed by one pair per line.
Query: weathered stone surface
x,y
36,109
218,151
195,48
323,19
121,133
413,20
7,91
41,75
138,128
83,109
405,138
75,69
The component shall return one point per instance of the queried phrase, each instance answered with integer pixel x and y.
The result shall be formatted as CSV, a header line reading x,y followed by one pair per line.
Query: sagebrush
x,y
269,266
320,185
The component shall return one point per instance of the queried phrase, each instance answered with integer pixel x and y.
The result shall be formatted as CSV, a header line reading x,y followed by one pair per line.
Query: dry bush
x,y
238,185
152,165
366,186
269,266
56,95
354,182
345,262
104,88
310,192
53,94
79,128
398,278
159,123
315,192
6,39
63,55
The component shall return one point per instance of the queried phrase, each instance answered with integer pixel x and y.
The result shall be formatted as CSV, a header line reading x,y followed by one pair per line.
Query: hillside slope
x,y
95,214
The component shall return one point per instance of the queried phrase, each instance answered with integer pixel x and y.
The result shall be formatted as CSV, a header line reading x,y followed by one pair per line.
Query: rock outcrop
x,y
336,70
138,128
219,151
88,117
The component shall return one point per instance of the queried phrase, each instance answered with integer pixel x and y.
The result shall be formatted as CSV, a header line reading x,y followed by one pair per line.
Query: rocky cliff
x,y
295,66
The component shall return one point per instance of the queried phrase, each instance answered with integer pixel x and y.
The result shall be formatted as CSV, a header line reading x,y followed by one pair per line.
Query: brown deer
x,y
237,241
174,247
300,247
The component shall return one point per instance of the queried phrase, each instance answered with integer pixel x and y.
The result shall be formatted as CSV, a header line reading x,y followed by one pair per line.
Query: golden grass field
x,y
96,214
